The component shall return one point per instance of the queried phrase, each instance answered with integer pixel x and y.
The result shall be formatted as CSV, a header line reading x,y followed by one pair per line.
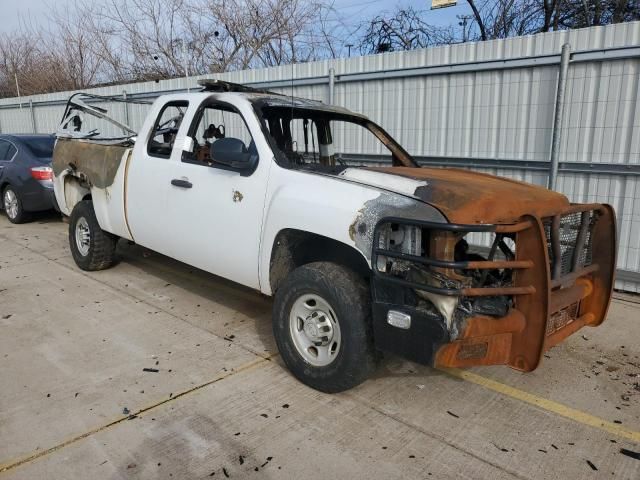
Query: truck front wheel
x,y
92,248
322,326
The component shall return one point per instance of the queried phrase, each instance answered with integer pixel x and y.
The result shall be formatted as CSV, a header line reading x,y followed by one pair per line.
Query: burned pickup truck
x,y
441,266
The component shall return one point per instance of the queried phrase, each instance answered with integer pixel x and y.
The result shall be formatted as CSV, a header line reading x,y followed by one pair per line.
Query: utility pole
x,y
463,23
349,45
15,74
185,62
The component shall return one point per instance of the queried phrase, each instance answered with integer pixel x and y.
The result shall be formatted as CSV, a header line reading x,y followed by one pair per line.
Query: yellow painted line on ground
x,y
545,404
261,361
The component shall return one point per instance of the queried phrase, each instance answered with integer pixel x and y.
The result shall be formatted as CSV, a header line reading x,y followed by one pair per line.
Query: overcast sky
x,y
354,11
14,10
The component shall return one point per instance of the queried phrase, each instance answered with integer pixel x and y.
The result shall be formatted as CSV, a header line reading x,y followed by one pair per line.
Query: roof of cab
x,y
269,98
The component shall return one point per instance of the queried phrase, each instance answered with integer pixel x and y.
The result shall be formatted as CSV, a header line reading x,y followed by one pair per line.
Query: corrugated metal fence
x,y
489,106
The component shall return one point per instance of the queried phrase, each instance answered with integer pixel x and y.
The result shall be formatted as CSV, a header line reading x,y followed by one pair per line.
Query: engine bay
x,y
446,264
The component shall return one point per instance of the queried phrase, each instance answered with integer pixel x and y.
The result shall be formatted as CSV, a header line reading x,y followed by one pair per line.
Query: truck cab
x,y
442,266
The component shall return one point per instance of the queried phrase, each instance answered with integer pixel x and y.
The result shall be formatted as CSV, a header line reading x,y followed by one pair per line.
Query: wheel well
x,y
74,192
2,187
294,248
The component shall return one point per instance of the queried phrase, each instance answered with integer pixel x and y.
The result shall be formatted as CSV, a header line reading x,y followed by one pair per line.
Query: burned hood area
x,y
464,196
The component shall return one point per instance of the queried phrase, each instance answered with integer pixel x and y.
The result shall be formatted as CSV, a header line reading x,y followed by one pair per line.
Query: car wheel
x,y
92,248
12,205
322,326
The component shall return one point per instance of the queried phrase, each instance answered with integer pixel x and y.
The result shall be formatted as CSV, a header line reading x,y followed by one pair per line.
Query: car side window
x,y
11,152
221,137
165,130
4,150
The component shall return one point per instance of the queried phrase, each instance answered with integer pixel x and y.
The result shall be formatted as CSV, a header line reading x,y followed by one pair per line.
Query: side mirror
x,y
232,153
238,160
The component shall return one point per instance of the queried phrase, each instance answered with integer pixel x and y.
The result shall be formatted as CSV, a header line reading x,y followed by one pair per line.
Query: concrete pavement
x,y
75,401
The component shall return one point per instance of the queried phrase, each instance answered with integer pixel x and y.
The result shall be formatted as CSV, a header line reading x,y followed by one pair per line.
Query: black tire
x,y
349,297
20,215
101,251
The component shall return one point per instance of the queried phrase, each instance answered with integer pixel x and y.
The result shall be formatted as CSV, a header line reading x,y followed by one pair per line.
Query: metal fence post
x,y
557,120
126,108
33,117
332,84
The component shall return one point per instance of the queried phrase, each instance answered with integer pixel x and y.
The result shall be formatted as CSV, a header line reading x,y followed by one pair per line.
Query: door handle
x,y
181,183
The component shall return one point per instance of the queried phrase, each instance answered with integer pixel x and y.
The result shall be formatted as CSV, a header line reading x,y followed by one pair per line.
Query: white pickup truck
x,y
441,266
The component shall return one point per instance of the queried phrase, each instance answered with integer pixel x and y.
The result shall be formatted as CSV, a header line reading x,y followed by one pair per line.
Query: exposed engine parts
x,y
445,265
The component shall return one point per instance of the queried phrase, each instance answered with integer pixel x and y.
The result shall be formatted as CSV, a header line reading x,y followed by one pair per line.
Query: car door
x,y
212,213
218,218
149,174
7,152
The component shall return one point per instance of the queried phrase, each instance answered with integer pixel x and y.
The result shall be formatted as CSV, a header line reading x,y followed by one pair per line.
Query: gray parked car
x,y
25,175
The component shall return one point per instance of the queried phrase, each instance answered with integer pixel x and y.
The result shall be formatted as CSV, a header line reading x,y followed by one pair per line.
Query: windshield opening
x,y
326,140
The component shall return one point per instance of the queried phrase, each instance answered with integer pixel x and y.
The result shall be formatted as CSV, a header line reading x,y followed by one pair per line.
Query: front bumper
x,y
563,275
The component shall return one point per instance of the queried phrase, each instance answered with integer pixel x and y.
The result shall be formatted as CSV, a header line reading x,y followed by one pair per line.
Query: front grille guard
x,y
556,289
569,238
569,248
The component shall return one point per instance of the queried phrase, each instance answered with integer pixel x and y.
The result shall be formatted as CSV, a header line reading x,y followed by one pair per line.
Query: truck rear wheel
x,y
322,326
92,248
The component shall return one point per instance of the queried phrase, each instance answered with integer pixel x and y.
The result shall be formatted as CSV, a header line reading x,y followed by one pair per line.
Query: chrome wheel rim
x,y
315,330
11,203
83,236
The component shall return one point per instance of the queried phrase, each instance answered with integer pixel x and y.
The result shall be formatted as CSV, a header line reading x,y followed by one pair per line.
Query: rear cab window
x,y
165,129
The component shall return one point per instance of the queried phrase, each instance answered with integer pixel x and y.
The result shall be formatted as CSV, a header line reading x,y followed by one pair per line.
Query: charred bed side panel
x,y
99,168
98,163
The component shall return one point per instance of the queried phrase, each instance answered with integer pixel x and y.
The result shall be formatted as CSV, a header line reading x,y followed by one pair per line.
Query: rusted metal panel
x,y
604,255
98,163
470,197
